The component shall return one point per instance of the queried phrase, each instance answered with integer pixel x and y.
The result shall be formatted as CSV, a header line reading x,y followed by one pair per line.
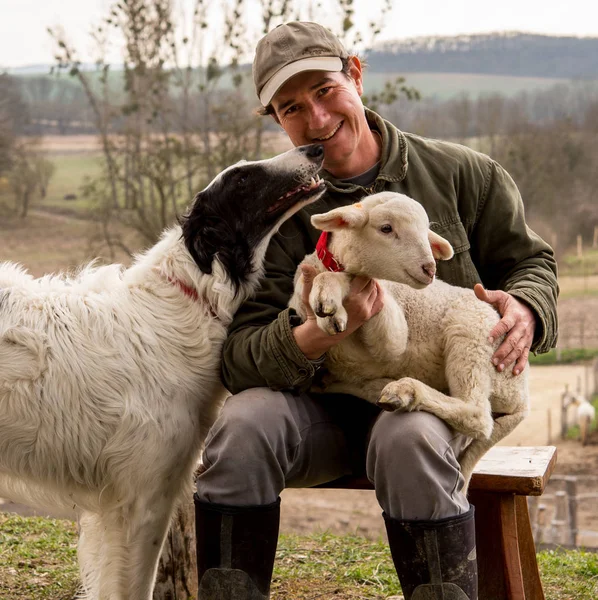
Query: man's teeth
x,y
327,137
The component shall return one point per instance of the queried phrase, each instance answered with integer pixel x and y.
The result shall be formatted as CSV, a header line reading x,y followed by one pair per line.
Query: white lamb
x,y
428,348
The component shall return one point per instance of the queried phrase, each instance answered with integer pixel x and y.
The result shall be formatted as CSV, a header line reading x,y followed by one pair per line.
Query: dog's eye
x,y
386,228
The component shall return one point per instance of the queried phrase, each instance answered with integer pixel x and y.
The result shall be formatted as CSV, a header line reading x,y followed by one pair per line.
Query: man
x,y
272,432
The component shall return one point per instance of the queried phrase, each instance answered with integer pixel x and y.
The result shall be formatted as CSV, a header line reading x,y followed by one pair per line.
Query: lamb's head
x,y
385,236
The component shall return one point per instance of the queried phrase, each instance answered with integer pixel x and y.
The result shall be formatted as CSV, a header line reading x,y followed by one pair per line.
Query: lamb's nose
x,y
429,269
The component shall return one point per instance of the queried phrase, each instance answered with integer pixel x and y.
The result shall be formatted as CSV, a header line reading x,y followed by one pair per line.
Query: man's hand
x,y
518,323
365,299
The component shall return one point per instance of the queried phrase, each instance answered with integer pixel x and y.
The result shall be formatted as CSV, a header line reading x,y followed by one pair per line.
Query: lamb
x,y
428,348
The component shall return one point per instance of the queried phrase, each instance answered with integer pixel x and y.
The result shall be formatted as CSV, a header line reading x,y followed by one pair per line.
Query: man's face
x,y
325,107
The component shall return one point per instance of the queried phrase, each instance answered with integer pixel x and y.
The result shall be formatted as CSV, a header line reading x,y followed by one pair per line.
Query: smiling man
x,y
273,432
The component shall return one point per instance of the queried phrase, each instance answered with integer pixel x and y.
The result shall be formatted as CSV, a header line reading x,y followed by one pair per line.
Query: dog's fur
x,y
428,348
109,381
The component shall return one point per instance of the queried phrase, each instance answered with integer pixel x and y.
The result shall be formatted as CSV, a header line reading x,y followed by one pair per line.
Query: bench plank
x,y
520,470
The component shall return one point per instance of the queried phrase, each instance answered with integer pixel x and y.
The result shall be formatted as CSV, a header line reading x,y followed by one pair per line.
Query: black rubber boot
x,y
435,560
235,550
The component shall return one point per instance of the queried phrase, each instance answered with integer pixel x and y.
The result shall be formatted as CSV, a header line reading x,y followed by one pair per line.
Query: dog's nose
x,y
313,151
429,269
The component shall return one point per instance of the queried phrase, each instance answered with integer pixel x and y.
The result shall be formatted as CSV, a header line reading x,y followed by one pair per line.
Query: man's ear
x,y
356,73
441,248
345,217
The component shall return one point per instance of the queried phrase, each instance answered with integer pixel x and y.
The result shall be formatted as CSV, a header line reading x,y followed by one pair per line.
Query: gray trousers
x,y
264,441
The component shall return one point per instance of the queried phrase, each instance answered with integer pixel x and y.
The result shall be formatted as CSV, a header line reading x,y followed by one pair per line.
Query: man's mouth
x,y
330,135
301,192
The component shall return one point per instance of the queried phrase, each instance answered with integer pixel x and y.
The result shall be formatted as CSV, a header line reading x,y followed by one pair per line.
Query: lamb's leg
x,y
326,300
471,416
503,425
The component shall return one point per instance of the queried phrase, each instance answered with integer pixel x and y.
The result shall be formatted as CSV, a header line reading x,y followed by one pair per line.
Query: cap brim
x,y
315,63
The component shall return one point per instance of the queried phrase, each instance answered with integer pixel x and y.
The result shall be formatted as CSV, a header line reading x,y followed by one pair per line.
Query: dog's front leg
x,y
326,300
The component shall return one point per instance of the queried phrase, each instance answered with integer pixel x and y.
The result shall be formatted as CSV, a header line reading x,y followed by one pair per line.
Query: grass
x,y
567,356
38,561
37,558
574,266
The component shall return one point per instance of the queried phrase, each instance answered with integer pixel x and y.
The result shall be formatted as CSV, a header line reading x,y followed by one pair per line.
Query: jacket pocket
x,y
460,270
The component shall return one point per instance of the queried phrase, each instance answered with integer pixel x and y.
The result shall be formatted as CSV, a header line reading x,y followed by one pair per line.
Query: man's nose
x,y
318,116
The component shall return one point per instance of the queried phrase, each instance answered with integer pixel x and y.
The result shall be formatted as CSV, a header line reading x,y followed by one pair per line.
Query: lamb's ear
x,y
441,249
352,216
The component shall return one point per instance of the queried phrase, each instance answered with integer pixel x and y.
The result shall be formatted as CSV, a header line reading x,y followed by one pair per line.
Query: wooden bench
x,y
506,553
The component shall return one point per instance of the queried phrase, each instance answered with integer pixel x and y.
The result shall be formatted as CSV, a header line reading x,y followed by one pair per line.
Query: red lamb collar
x,y
326,257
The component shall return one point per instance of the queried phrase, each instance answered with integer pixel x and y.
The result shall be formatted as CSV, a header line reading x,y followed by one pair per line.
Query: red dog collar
x,y
326,257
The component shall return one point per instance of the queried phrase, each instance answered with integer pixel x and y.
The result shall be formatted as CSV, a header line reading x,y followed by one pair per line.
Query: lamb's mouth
x,y
330,135
421,282
301,193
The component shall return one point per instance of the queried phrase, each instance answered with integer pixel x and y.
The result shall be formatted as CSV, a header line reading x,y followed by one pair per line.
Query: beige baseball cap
x,y
290,49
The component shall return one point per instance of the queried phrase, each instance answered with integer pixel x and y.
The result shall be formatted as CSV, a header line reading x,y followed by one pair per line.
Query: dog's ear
x,y
199,234
353,216
441,248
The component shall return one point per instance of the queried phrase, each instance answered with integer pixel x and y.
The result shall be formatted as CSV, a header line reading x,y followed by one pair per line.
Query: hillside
x,y
508,53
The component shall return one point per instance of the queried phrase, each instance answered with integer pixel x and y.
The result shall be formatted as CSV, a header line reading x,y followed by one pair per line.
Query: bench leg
x,y
506,554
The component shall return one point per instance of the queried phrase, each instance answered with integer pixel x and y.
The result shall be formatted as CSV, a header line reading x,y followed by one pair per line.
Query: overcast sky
x,y
24,39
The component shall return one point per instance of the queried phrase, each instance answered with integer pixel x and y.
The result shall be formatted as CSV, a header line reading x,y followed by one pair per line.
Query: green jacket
x,y
471,201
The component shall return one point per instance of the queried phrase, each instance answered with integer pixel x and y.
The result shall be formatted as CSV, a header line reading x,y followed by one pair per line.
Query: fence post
x,y
571,489
540,534
559,527
564,414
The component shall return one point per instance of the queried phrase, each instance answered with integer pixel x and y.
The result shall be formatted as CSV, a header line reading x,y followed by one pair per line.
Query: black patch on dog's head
x,y
233,214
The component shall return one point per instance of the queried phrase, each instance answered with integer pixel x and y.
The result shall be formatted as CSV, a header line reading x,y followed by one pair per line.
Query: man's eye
x,y
290,110
386,228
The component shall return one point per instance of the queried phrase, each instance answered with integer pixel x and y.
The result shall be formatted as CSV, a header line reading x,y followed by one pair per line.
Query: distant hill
x,y
509,53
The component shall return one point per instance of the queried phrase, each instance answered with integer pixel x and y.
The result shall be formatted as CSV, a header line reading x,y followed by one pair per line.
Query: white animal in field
x,y
585,413
109,381
428,348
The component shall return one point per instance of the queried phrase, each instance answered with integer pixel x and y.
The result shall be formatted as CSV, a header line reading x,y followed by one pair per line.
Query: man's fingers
x,y
501,328
521,362
308,274
482,293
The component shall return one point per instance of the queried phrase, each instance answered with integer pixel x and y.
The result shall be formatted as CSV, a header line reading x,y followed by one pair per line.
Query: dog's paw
x,y
399,395
334,324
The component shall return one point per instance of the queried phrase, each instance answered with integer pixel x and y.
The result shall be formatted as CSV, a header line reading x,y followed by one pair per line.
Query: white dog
x,y
109,381
428,347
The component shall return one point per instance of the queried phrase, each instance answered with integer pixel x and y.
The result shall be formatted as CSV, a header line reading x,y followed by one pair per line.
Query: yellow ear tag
x,y
358,205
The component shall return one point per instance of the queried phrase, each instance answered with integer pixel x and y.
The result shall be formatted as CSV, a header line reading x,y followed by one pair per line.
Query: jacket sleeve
x,y
260,349
509,256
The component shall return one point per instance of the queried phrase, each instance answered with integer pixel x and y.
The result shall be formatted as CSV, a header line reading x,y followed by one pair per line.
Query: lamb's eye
x,y
242,178
386,228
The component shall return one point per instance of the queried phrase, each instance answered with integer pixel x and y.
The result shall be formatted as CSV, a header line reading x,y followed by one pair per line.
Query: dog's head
x,y
233,219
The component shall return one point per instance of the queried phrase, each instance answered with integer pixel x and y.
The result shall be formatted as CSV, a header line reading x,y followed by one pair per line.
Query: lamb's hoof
x,y
325,309
398,395
333,325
